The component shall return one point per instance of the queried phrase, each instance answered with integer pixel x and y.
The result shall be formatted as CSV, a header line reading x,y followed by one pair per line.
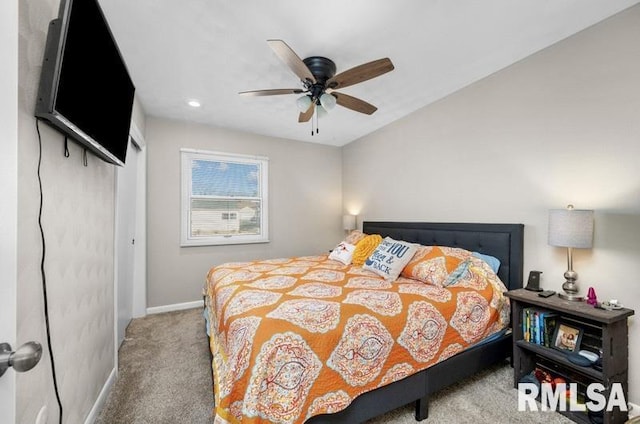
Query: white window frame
x,y
187,156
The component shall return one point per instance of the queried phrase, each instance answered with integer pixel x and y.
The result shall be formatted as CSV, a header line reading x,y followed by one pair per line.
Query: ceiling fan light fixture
x,y
304,103
318,75
322,112
327,101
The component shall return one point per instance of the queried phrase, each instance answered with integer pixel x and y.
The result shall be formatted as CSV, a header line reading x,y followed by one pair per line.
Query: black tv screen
x,y
85,89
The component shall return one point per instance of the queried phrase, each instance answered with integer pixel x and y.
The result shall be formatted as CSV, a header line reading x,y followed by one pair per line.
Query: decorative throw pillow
x,y
390,257
493,262
355,236
457,273
433,264
364,248
343,253
476,275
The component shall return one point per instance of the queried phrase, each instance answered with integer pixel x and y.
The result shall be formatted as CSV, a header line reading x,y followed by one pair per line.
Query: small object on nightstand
x,y
611,305
533,284
578,359
546,293
592,299
593,357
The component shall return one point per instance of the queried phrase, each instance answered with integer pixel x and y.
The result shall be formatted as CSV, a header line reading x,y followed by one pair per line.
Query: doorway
x,y
130,263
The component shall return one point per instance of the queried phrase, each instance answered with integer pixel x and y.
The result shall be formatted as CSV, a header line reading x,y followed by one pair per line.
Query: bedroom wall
x,y
305,205
78,220
559,127
138,115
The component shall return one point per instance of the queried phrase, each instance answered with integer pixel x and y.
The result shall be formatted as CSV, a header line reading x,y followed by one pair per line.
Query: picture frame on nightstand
x,y
567,338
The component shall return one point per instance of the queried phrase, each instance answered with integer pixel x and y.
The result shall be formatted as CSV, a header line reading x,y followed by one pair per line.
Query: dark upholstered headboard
x,y
504,241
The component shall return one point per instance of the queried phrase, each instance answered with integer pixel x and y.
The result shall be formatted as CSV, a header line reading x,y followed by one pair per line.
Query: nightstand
x,y
599,330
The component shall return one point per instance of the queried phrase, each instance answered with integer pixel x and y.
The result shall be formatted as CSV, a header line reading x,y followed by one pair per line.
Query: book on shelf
x,y
549,326
538,326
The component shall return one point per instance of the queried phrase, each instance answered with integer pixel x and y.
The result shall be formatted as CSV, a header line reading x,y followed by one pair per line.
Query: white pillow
x,y
343,252
390,257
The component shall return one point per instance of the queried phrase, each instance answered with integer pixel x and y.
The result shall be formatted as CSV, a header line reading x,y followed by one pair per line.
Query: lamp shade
x,y
571,228
349,222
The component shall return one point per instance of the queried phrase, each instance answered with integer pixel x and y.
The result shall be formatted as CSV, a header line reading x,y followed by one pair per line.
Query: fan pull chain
x,y
317,120
314,115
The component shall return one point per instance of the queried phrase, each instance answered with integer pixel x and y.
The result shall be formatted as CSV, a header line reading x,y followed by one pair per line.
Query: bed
x,y
239,299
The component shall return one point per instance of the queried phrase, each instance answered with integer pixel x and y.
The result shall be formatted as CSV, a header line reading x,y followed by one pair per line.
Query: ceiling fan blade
x,y
305,116
271,92
291,59
354,103
361,73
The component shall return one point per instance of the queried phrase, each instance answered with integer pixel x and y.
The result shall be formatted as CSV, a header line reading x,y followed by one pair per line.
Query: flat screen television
x,y
85,89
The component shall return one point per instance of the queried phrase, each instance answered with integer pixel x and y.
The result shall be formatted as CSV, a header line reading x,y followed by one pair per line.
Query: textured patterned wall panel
x,y
78,219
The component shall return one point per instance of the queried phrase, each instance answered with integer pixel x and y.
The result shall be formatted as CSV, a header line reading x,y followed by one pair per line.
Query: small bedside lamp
x,y
573,229
349,222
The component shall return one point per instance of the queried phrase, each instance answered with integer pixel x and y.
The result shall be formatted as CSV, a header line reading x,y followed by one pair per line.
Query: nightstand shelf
x,y
560,358
607,331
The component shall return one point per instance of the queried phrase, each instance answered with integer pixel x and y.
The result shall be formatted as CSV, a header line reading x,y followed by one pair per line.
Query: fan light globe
x,y
303,103
327,101
322,112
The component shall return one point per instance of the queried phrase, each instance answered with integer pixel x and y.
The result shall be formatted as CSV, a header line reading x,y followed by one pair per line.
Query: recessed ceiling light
x,y
193,103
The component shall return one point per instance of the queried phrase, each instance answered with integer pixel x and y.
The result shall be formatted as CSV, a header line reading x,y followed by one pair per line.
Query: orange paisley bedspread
x,y
298,337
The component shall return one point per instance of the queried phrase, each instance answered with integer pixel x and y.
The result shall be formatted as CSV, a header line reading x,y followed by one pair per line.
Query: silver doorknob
x,y
26,357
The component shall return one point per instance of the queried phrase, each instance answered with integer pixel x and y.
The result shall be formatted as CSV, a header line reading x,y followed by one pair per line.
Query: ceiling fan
x,y
319,80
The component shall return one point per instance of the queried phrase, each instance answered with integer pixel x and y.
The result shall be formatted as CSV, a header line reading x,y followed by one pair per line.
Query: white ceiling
x,y
211,49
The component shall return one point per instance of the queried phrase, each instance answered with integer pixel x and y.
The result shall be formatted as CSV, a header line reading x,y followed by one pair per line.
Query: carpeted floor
x,y
164,372
165,377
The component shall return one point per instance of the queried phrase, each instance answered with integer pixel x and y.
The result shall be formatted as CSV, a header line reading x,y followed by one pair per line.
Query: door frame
x,y
9,205
139,302
140,267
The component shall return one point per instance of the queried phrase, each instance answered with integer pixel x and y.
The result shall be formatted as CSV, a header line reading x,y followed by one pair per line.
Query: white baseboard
x,y
634,410
175,307
102,398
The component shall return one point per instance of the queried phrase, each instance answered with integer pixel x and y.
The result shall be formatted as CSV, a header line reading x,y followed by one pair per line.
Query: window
x,y
224,198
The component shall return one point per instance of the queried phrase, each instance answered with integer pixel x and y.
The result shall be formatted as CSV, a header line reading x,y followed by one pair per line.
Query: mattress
x,y
297,337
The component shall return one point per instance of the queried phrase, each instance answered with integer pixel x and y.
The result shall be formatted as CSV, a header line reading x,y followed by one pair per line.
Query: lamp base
x,y
571,297
570,288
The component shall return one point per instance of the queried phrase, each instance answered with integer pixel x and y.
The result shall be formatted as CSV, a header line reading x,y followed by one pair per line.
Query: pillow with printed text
x,y
390,257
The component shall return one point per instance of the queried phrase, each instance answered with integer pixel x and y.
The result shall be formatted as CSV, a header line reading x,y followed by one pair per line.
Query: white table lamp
x,y
573,229
349,222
